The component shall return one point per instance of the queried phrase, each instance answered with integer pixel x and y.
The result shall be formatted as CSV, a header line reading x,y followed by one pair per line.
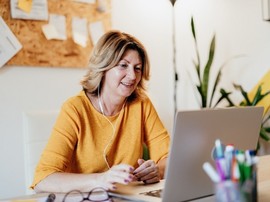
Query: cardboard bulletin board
x,y
38,51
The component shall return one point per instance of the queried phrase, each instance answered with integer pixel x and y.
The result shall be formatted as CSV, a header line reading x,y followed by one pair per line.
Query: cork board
x,y
38,51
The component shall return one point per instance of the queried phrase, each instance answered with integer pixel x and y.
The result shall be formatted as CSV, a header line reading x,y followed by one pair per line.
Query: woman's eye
x,y
123,65
138,68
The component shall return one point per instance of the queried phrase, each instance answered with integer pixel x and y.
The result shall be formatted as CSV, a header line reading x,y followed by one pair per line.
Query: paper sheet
x,y
39,10
96,30
79,31
56,29
9,44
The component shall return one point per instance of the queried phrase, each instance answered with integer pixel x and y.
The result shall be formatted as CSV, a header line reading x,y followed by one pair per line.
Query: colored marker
x,y
229,155
220,160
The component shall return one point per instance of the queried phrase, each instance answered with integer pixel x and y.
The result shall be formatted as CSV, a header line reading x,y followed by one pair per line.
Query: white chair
x,y
37,126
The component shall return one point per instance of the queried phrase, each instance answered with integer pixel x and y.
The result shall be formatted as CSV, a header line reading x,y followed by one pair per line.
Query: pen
x,y
219,150
221,166
220,160
51,197
235,172
211,172
240,156
229,155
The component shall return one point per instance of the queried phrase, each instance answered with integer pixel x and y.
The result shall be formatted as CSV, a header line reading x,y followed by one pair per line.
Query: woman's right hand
x,y
121,173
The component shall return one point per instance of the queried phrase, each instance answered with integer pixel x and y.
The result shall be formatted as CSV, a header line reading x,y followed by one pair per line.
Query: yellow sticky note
x,y
25,5
265,82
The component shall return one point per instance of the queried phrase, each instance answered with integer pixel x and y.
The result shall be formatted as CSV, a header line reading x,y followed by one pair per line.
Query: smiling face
x,y
121,80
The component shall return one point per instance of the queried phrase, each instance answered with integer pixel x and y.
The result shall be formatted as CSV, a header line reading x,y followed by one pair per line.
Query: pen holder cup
x,y
229,191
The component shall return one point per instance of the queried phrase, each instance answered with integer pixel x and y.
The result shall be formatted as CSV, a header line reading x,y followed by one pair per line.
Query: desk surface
x,y
263,185
264,179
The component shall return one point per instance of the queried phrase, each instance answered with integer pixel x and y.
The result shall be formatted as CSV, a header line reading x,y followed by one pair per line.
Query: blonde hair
x,y
106,55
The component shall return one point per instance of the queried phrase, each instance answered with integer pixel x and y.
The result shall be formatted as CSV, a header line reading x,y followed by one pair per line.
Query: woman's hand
x,y
121,173
148,171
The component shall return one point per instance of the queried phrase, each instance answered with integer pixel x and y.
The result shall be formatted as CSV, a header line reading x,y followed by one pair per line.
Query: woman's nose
x,y
131,73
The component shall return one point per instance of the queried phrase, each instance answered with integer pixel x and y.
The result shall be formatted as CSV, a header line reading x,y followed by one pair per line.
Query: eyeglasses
x,y
97,194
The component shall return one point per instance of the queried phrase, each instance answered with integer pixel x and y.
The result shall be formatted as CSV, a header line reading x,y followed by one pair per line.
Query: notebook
x,y
192,144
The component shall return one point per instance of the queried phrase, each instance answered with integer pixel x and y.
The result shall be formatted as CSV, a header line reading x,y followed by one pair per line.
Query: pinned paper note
x,y
101,5
79,31
9,44
56,29
96,30
25,5
29,9
49,31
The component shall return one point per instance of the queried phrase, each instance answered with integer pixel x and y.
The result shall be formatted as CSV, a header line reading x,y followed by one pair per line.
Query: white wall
x,y
239,28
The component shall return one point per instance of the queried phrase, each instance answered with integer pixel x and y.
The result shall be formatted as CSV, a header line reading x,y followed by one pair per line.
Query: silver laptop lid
x,y
192,142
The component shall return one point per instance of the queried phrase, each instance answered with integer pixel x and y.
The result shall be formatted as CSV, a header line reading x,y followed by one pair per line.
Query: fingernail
x,y
126,181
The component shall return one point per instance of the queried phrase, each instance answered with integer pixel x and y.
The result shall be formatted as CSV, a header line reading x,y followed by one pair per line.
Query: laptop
x,y
192,143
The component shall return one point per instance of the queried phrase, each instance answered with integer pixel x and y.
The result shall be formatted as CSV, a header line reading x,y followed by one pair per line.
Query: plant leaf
x,y
245,95
214,87
258,96
197,68
197,64
193,28
264,135
267,129
207,68
199,88
265,94
203,99
225,95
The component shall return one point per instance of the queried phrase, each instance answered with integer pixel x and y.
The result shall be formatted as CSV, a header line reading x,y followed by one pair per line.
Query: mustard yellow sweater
x,y
81,133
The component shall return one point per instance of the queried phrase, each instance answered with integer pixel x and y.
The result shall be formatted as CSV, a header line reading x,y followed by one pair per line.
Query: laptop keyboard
x,y
156,193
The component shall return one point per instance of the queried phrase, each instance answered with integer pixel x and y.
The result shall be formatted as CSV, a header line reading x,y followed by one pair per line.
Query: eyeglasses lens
x,y
98,194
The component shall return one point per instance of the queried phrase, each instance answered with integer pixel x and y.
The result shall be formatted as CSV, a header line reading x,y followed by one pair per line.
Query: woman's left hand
x,y
148,171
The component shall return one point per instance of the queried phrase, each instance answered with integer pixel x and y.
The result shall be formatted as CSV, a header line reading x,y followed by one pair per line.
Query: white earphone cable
x,y
113,128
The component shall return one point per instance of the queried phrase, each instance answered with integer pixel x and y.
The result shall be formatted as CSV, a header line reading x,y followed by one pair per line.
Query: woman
x,y
98,137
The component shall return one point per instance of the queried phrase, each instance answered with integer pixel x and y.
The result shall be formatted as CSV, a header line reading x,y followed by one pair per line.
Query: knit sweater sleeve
x,y
156,135
58,152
